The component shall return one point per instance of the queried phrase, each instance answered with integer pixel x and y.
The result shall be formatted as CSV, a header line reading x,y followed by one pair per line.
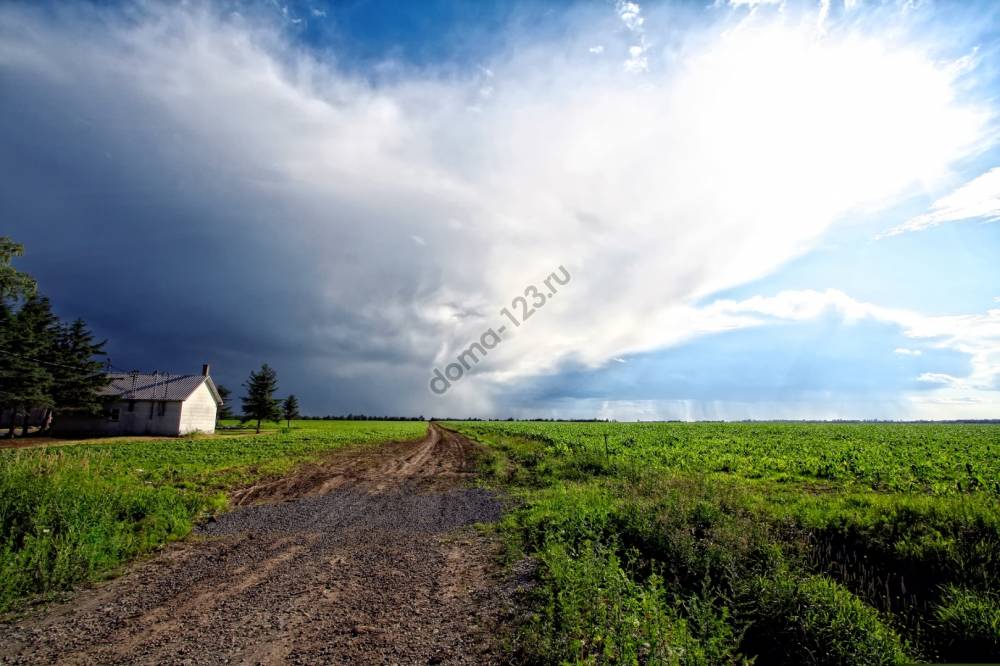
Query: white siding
x,y
198,412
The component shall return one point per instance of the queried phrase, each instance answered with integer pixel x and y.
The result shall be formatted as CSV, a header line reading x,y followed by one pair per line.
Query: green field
x,y
786,542
75,512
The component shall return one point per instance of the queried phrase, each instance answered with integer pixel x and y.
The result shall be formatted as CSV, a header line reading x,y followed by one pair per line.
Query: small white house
x,y
150,404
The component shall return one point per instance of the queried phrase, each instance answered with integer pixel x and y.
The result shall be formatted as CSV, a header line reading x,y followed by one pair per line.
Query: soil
x,y
368,557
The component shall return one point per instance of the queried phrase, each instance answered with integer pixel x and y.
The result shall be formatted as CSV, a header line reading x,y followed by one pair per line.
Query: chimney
x,y
204,370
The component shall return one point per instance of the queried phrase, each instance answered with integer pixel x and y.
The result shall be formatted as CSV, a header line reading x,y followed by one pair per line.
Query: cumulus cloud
x,y
225,192
938,378
903,351
630,14
977,199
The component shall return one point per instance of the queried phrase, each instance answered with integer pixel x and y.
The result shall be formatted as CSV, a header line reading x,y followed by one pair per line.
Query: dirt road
x,y
365,558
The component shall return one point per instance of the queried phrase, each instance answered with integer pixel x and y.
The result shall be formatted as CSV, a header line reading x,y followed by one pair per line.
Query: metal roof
x,y
156,386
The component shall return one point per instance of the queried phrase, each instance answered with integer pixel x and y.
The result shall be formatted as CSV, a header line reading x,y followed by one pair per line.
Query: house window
x,y
163,408
131,405
151,409
114,414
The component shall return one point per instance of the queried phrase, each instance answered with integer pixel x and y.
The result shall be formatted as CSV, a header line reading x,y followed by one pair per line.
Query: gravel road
x,y
368,557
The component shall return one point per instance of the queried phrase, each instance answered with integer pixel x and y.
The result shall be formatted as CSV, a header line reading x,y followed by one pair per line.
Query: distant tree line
x,y
361,417
512,419
46,365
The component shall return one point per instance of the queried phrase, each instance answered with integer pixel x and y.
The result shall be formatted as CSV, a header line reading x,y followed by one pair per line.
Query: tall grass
x,y
63,520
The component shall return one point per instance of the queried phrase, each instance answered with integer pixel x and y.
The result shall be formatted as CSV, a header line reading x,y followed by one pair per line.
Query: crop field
x,y
722,543
75,512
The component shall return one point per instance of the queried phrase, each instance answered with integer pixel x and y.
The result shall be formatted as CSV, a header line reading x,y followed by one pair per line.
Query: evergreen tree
x,y
29,344
20,378
259,404
43,364
225,411
290,409
77,374
8,367
14,285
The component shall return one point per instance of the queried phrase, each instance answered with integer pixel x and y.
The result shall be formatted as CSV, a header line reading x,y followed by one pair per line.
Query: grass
x,y
768,543
74,513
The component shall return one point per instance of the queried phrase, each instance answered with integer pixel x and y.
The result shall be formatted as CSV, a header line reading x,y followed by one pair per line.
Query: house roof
x,y
156,386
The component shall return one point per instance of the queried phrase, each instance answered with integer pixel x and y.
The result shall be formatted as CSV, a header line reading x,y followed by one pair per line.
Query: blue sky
x,y
769,209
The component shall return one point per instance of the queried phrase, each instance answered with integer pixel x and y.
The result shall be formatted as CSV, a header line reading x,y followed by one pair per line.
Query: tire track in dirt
x,y
367,557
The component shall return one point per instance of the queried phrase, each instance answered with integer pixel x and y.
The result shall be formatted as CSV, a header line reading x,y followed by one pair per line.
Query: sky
x,y
605,209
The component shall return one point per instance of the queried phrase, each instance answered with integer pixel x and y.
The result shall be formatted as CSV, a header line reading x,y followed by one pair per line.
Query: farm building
x,y
150,404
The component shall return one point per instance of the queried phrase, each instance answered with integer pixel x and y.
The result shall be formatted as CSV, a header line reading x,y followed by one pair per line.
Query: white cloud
x,y
637,60
706,174
977,199
938,378
597,49
630,14
903,351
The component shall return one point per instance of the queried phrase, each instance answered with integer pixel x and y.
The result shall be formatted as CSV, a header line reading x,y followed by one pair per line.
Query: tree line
x,y
361,417
46,364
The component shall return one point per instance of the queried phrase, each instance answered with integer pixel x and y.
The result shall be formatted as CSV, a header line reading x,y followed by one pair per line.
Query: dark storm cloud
x,y
151,225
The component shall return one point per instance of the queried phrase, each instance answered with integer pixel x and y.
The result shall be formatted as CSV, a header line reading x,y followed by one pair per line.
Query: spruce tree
x,y
43,364
20,378
259,404
8,367
14,285
225,411
290,409
30,341
77,373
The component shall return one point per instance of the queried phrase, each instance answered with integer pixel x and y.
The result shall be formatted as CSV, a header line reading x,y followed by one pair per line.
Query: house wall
x,y
64,424
144,419
198,412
